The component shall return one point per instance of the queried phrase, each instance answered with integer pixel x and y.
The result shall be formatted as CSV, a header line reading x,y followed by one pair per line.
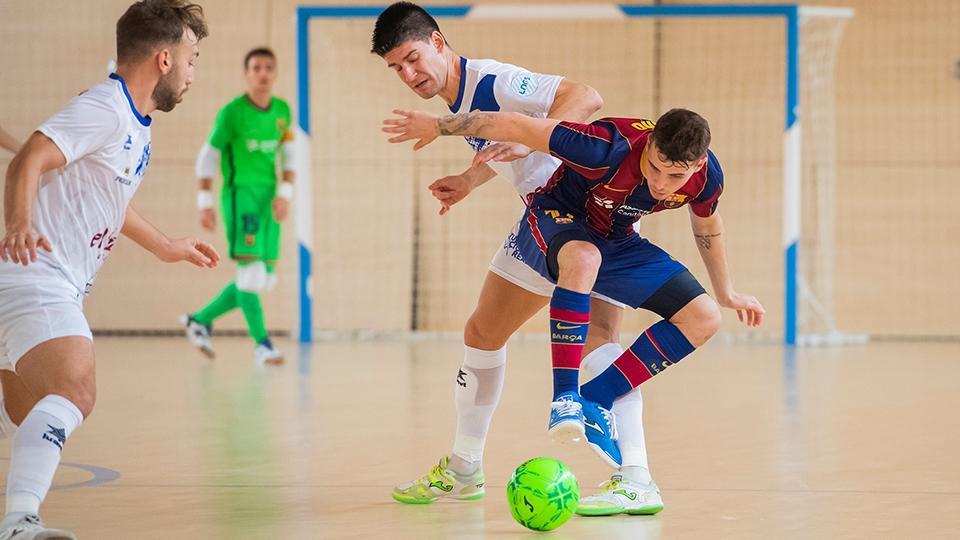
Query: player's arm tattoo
x,y
705,240
464,123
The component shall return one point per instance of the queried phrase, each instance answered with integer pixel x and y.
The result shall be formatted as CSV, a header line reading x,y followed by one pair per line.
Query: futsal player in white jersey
x,y
66,201
411,43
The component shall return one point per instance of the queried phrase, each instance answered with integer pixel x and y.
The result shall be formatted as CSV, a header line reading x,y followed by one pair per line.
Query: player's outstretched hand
x,y
450,190
418,125
208,219
749,309
501,152
20,245
191,250
281,208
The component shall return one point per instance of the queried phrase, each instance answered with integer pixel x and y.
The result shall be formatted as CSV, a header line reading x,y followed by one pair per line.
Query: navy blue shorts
x,y
632,268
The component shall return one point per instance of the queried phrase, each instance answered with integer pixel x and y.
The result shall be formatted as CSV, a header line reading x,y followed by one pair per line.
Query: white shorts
x,y
507,264
35,312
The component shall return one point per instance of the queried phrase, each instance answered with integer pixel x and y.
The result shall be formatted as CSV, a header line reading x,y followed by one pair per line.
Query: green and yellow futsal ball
x,y
542,494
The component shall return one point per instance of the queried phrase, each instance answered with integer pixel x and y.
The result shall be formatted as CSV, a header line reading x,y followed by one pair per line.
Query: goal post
x,y
808,289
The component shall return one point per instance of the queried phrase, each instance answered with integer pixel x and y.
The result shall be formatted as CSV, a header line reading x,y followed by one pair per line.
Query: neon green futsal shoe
x,y
621,496
440,482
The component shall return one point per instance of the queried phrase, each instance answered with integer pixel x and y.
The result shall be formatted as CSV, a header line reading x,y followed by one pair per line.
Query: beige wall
x,y
898,116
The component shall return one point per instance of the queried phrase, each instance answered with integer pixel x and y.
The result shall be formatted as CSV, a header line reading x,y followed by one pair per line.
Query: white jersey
x,y
81,206
490,86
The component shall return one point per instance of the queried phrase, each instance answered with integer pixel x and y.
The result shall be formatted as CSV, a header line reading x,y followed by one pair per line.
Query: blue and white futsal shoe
x,y
566,418
601,431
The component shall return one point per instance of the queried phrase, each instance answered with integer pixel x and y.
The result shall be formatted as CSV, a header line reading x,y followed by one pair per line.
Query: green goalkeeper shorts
x,y
252,233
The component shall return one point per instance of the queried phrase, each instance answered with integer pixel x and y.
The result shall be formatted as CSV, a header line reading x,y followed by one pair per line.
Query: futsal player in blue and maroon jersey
x,y
578,233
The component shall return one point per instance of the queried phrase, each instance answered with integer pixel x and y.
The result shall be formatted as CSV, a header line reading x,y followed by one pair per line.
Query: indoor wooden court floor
x,y
746,441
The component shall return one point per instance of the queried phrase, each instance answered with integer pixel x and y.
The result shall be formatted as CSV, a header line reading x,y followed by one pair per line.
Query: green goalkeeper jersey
x,y
249,140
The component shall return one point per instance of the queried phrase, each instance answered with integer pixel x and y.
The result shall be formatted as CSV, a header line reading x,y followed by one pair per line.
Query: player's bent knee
x,y
581,256
82,395
577,250
253,277
709,318
86,395
481,335
699,320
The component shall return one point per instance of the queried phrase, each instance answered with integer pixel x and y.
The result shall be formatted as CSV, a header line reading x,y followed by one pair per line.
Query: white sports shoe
x,y
441,482
267,354
621,496
198,334
29,527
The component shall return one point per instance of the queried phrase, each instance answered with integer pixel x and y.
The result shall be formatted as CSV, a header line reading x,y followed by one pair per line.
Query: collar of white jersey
x,y
463,84
144,120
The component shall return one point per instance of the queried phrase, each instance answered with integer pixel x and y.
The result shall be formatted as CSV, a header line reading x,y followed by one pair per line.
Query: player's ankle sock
x,y
569,320
36,452
222,303
635,473
463,467
476,393
659,347
7,427
253,313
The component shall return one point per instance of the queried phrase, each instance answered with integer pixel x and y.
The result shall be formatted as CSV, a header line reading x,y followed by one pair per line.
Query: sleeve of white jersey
x,y
519,90
83,127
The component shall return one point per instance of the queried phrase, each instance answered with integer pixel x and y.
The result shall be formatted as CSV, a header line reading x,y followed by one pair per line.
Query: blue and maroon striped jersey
x,y
600,178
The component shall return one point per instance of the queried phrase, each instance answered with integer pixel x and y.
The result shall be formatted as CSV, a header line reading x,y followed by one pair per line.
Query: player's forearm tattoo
x,y
705,240
463,123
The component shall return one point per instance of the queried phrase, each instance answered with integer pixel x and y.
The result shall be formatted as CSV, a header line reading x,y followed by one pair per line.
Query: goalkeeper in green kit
x,y
250,134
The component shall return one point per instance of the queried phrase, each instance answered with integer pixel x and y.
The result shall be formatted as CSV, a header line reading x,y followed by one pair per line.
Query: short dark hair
x,y
259,51
401,22
148,24
681,136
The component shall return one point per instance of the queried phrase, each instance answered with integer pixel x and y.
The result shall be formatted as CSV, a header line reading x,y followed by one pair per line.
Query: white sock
x,y
628,410
598,361
7,427
36,452
476,393
636,474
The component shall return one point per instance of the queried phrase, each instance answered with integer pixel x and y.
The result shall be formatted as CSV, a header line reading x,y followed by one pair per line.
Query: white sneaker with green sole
x,y
441,482
621,496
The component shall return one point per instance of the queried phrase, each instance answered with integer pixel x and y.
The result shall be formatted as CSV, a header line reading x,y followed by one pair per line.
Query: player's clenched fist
x,y
20,245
